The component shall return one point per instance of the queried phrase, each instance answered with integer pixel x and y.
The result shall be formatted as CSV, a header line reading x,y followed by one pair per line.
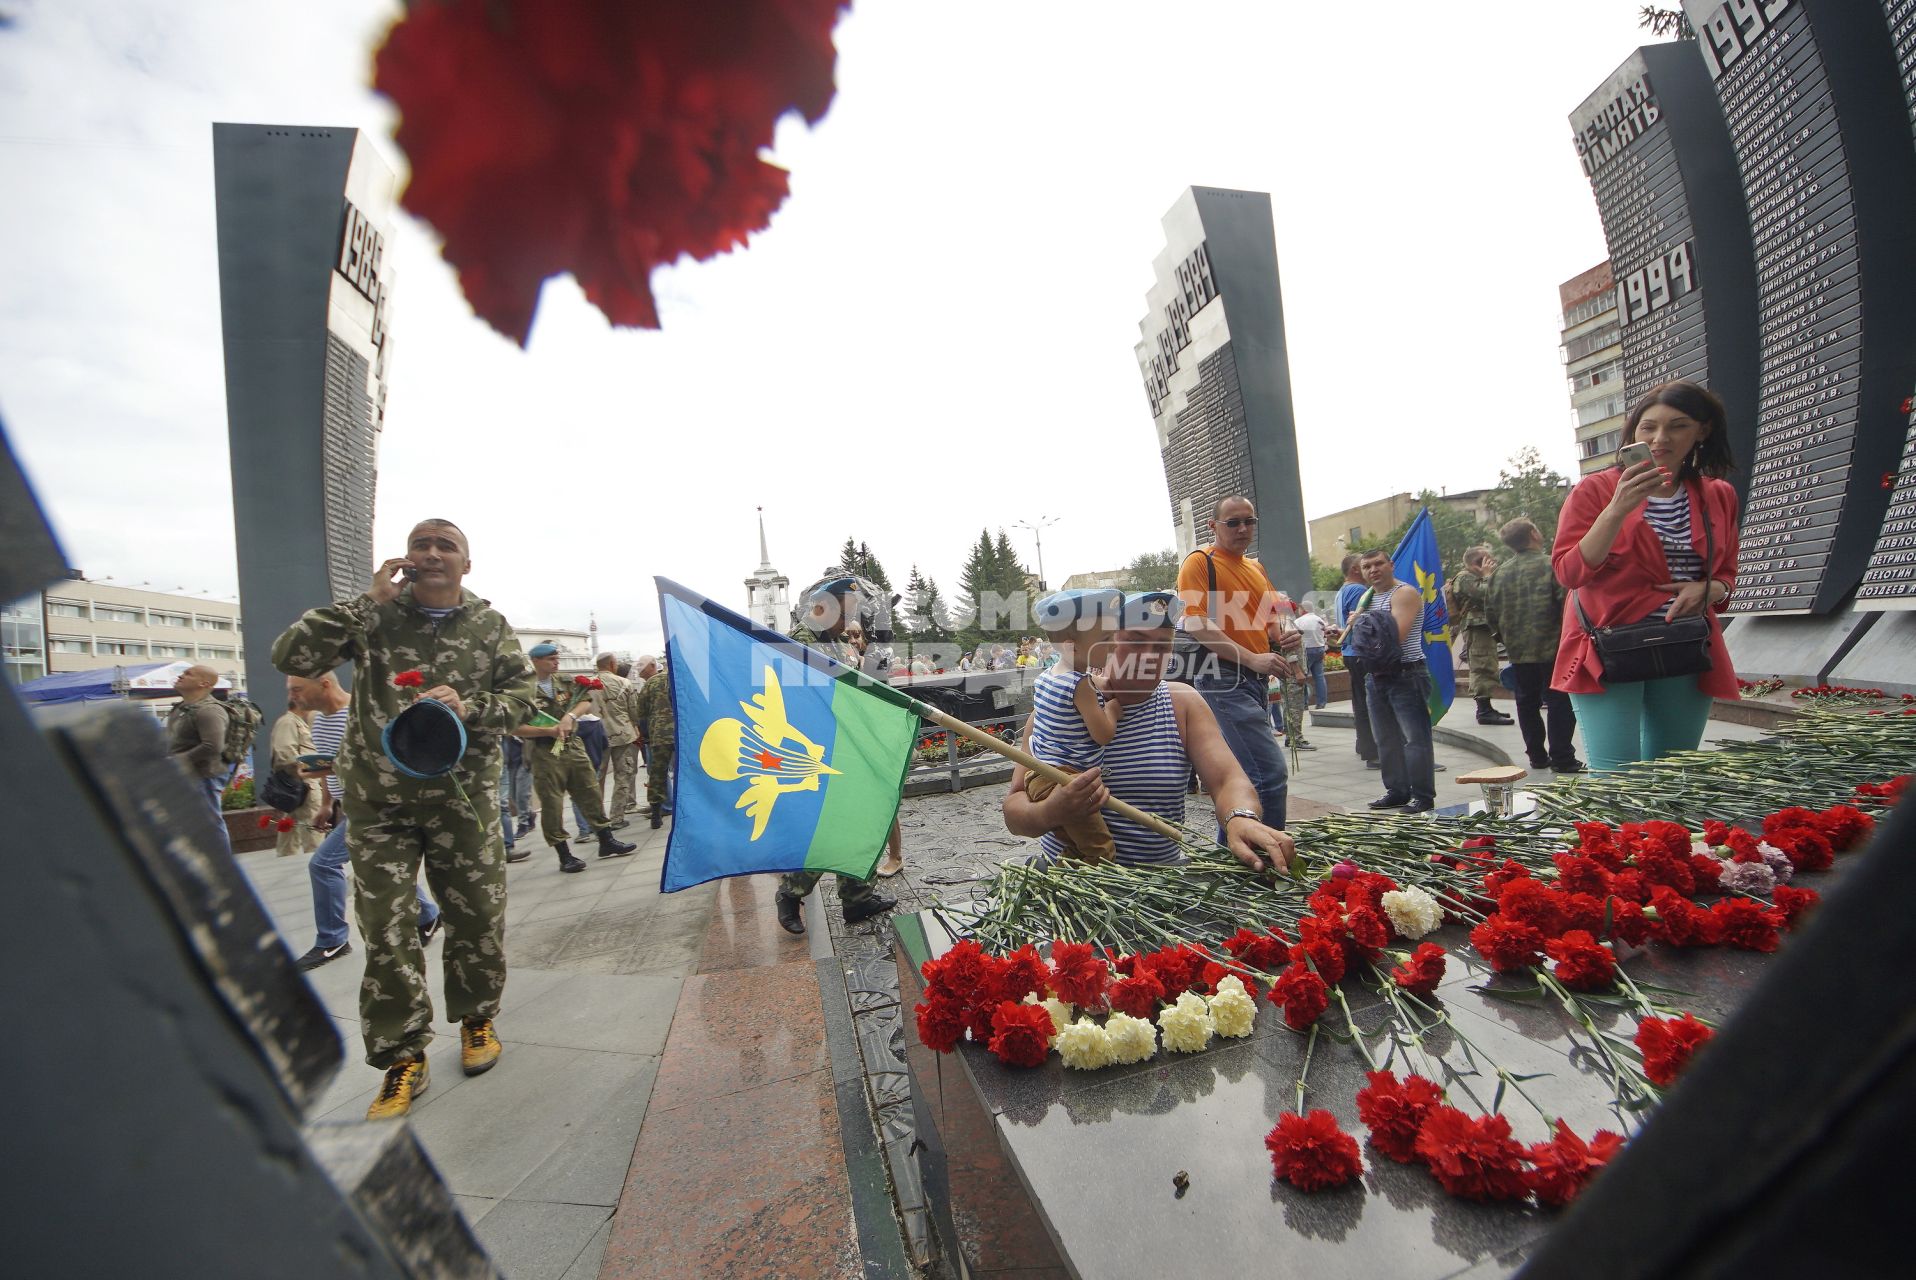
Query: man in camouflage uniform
x,y
1524,606
829,608
1467,616
618,708
660,727
468,659
560,765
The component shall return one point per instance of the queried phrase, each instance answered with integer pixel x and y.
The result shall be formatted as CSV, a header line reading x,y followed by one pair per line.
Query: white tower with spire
x,y
768,592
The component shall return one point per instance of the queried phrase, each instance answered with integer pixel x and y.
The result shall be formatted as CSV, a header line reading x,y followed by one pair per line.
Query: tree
x,y
1665,22
1529,487
978,579
925,614
1012,574
1155,570
856,557
1325,577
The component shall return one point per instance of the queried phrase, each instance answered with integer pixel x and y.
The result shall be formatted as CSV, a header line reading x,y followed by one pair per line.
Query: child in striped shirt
x,y
1071,723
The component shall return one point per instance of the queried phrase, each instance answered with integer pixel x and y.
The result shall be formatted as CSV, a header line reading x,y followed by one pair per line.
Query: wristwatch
x,y
1252,814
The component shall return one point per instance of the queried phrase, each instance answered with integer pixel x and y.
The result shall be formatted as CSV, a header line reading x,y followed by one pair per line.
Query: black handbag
x,y
282,791
1656,647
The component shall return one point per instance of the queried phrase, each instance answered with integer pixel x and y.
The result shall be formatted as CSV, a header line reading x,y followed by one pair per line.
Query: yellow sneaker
x,y
404,1081
478,1046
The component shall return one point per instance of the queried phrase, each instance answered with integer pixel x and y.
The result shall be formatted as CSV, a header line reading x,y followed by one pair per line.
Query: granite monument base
x,y
1798,650
1883,658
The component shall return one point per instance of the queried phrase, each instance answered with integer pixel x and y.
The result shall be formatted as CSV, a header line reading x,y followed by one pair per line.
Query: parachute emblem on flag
x,y
757,752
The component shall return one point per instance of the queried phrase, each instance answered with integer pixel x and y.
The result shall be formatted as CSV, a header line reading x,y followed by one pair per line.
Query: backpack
x,y
242,722
1371,646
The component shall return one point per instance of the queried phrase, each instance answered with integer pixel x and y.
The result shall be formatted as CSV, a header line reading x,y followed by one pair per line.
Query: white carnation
x,y
1085,1046
1187,1025
1131,1039
1232,1009
1231,982
1413,913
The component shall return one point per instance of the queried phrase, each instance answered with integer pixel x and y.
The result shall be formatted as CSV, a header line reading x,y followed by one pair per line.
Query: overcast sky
x,y
937,326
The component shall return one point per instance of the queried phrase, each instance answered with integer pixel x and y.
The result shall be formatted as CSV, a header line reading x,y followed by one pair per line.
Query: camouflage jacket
x,y
655,710
618,707
472,650
1467,599
1524,606
568,697
830,646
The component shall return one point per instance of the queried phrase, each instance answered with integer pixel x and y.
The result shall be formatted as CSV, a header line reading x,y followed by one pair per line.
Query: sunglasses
x,y
1239,522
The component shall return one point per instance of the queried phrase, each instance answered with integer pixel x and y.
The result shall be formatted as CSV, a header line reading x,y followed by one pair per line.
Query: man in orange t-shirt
x,y
1235,627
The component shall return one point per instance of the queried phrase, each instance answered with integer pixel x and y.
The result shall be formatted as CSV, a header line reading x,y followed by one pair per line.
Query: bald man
x,y
418,620
195,736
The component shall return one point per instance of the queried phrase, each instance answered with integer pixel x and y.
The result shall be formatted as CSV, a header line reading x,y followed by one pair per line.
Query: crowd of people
x,y
1134,695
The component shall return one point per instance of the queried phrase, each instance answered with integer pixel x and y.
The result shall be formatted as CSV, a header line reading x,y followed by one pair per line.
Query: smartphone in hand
x,y
1633,453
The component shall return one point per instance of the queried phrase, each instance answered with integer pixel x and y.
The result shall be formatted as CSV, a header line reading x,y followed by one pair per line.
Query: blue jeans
x,y
214,789
1400,722
1243,712
1641,720
1314,672
327,868
515,793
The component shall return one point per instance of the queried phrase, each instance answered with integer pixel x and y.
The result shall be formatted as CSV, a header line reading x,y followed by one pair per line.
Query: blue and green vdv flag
x,y
787,760
1418,563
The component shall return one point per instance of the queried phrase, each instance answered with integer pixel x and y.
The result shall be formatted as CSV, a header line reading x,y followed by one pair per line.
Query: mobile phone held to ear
x,y
1632,454
411,574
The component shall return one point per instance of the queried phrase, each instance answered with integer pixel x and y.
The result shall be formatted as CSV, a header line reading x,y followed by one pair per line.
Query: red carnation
x,y
1494,881
940,1024
1667,1045
1507,945
1630,885
1327,954
1743,846
1138,995
1561,1166
1596,837
1078,974
1476,1159
1420,974
1715,833
1845,826
1369,931
584,682
1302,995
1531,902
1807,848
284,824
1628,923
1681,922
1021,974
1795,904
1746,924
1021,1034
1793,816
1579,911
409,680
1310,1152
1667,869
1576,874
1707,870
1583,963
599,138
1259,950
1177,967
957,972
1663,837
1394,1113
265,821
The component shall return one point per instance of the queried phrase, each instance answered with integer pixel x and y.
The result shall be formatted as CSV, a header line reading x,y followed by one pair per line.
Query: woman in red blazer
x,y
1632,544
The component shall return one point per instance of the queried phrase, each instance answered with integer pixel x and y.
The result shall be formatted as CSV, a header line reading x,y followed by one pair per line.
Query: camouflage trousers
x,y
1482,644
1292,696
556,775
622,762
799,884
658,768
465,860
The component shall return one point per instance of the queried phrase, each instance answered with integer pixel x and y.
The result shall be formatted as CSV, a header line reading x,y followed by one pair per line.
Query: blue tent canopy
x,y
143,680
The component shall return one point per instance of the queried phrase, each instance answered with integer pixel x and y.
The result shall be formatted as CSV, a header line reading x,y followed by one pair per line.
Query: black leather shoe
x,y
566,861
1373,764
788,915
872,906
1568,766
1495,717
610,846
1538,765
1390,802
1420,806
